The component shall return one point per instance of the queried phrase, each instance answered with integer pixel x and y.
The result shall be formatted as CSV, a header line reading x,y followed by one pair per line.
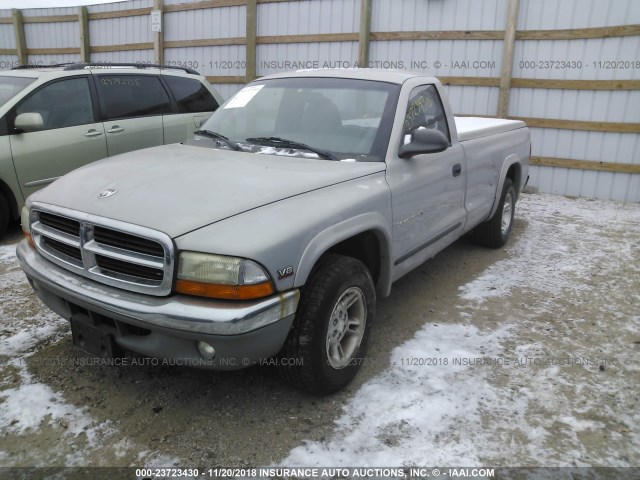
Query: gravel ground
x,y
566,288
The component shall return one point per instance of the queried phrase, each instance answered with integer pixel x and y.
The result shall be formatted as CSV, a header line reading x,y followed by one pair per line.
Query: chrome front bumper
x,y
243,330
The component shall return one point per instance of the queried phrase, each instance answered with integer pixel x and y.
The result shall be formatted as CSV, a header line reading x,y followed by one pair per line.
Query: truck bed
x,y
476,127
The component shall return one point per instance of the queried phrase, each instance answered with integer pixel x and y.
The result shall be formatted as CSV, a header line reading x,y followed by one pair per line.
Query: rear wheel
x,y
328,341
4,214
495,232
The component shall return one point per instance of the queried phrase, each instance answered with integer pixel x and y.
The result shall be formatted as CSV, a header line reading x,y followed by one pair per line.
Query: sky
x,y
22,4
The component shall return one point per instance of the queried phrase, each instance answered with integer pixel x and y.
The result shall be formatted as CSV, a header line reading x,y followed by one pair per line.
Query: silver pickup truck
x,y
271,233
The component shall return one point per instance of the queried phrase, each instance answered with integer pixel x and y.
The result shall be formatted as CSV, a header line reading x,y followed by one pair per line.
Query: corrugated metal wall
x,y
590,105
456,58
7,41
445,57
116,31
51,35
225,22
307,17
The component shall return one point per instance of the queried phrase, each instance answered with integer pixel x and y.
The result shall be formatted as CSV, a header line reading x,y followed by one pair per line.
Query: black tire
x,y
4,215
335,278
494,233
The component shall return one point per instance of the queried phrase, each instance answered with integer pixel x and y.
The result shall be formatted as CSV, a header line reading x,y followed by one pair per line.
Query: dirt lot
x,y
524,356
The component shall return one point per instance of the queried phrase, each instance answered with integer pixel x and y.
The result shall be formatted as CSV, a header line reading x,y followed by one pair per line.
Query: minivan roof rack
x,y
80,66
34,65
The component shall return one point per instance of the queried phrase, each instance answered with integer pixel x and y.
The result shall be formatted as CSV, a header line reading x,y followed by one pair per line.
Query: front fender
x,y
292,233
334,234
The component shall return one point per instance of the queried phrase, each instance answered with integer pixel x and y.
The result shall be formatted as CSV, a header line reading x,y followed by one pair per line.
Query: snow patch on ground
x,y
544,259
411,415
7,252
26,340
28,405
25,322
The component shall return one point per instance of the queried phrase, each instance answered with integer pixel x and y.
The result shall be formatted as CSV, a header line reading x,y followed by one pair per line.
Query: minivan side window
x,y
127,96
64,103
191,95
425,110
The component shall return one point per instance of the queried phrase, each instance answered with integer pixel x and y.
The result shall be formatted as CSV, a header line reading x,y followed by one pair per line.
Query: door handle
x,y
115,129
456,169
92,133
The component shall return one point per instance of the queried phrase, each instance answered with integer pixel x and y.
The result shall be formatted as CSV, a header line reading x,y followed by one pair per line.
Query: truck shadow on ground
x,y
250,417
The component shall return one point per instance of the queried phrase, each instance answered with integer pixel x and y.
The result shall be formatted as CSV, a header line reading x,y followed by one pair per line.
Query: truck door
x,y
69,138
427,189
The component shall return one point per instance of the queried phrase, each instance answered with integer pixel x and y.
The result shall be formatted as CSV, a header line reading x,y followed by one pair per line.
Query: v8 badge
x,y
285,272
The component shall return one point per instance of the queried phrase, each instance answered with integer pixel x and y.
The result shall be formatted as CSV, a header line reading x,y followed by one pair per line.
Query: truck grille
x,y
63,248
63,224
126,268
111,252
128,242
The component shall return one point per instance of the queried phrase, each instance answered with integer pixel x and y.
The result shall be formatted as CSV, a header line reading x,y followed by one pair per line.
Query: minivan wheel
x,y
329,338
4,215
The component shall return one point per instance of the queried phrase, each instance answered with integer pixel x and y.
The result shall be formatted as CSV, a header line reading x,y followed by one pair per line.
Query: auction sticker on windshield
x,y
244,96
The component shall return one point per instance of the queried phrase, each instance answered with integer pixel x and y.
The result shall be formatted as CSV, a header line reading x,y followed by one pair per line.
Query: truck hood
x,y
179,188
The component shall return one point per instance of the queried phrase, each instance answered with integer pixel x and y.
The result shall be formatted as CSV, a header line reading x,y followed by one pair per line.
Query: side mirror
x,y
28,122
424,140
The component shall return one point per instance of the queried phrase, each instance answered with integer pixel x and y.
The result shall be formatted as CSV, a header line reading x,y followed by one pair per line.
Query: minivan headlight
x,y
218,276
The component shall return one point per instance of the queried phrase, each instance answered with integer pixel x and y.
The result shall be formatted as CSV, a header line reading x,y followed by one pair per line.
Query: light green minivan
x,y
55,119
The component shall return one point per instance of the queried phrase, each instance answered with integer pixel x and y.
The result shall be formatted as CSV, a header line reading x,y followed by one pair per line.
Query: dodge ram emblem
x,y
107,193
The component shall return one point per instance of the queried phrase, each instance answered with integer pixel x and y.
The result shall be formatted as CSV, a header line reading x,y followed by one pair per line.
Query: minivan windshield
x,y
10,86
328,118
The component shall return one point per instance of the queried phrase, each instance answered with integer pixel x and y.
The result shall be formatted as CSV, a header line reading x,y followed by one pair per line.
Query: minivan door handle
x,y
457,169
93,133
115,129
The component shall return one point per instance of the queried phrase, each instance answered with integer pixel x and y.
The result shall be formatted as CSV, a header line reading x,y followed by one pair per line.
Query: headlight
x,y
25,221
217,276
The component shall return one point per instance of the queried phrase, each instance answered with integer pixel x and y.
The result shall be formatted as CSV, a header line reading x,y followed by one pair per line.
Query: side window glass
x,y
191,95
425,110
61,104
128,96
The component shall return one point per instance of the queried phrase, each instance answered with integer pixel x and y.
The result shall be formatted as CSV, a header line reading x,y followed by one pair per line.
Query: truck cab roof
x,y
374,74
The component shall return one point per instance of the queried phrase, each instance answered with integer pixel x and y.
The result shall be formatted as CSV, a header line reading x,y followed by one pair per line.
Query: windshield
x,y
9,86
330,118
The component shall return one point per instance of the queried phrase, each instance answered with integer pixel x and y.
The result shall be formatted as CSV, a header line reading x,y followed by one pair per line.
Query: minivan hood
x,y
179,188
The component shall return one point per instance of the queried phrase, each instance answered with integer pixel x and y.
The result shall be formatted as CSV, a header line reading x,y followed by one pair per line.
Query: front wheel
x,y
495,232
328,341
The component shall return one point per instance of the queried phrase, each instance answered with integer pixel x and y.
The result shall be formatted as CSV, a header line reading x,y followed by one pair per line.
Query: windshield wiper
x,y
219,138
284,143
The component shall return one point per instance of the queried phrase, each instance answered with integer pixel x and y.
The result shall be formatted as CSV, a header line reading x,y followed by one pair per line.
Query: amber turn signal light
x,y
29,239
225,292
